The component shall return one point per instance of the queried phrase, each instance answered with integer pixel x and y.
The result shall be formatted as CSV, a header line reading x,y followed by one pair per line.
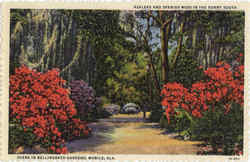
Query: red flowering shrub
x,y
214,105
41,111
224,85
173,95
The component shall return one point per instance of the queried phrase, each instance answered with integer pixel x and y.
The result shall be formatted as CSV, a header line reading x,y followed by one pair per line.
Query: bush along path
x,y
41,112
127,134
210,110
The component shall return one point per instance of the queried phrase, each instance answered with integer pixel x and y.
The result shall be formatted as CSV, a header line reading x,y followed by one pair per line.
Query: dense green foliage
x,y
220,130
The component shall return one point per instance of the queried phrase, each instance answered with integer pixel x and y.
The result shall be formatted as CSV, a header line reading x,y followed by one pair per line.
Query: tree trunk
x,y
178,51
144,114
194,40
152,67
165,31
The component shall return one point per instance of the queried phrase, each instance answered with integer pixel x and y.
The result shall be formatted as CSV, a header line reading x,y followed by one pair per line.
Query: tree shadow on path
x,y
101,134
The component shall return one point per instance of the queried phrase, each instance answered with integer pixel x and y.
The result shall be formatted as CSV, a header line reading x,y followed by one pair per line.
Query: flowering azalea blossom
x,y
40,103
222,86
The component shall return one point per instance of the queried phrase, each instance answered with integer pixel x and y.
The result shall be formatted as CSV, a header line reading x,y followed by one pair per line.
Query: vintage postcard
x,y
134,81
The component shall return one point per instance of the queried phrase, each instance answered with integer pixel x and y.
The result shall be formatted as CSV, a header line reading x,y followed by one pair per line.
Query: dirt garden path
x,y
128,134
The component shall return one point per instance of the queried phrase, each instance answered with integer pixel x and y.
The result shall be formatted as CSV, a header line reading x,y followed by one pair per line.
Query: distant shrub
x,y
156,113
89,106
84,98
101,112
104,100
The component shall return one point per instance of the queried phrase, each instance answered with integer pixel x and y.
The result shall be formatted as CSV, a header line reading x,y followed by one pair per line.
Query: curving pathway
x,y
128,134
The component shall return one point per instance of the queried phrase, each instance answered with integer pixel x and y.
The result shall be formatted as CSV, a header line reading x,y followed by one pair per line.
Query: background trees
x,y
126,56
